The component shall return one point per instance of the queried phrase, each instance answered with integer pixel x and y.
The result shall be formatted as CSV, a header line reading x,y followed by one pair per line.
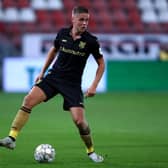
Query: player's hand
x,y
39,78
90,92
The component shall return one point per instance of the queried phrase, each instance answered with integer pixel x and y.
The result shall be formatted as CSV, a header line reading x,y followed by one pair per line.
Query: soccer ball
x,y
44,153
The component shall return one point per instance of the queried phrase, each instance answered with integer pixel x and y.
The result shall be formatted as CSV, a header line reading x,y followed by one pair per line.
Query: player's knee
x,y
83,130
78,121
27,101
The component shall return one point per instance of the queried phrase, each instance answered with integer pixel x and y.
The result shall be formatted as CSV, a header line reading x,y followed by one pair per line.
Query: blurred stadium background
x,y
133,35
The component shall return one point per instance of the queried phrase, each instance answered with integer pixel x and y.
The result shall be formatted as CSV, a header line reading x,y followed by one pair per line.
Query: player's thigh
x,y
34,97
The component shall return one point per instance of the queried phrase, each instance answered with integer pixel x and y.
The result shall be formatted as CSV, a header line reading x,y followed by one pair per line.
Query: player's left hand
x,y
90,92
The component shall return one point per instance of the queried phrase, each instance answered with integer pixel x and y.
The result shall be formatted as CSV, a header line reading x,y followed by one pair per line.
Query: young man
x,y
73,45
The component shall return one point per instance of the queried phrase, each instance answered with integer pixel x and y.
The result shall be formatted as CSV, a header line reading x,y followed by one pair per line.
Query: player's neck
x,y
75,34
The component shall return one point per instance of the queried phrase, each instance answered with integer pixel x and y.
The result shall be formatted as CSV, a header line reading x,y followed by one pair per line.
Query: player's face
x,y
80,22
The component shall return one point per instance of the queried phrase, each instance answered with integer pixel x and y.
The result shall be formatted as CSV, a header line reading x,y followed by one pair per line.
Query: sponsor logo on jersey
x,y
70,51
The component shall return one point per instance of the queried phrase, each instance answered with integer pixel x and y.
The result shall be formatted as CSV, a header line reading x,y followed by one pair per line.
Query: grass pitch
x,y
129,129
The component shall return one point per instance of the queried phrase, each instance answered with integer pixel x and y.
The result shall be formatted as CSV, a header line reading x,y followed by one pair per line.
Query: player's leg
x,y
83,127
79,119
34,97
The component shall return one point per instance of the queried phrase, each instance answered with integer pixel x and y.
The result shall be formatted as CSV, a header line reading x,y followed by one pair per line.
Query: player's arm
x,y
50,57
99,73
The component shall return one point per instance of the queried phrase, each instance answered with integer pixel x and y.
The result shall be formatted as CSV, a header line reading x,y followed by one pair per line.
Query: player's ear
x,y
72,17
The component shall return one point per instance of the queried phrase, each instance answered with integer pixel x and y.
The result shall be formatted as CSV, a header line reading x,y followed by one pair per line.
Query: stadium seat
x,y
115,5
99,5
134,16
27,15
42,16
68,5
39,4
58,19
23,3
162,5
11,15
145,4
129,4
9,3
118,15
86,3
55,5
122,26
1,15
107,16
92,25
134,12
149,16
163,15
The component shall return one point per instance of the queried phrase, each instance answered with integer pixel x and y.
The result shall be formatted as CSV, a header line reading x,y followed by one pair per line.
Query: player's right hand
x,y
39,78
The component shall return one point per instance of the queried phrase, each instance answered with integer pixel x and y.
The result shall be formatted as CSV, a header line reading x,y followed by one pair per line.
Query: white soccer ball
x,y
44,153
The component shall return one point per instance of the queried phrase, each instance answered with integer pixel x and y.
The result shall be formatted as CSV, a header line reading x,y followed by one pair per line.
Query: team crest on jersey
x,y
82,45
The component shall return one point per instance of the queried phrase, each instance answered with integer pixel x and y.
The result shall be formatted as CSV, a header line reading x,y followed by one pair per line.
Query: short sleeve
x,y
95,49
57,40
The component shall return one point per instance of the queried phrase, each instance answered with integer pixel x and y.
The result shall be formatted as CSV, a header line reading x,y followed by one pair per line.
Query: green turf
x,y
129,129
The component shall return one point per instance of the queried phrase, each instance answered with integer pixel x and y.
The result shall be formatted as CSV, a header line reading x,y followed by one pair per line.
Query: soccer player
x,y
72,45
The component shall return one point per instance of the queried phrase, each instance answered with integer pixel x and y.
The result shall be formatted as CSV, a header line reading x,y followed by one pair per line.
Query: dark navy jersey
x,y
73,54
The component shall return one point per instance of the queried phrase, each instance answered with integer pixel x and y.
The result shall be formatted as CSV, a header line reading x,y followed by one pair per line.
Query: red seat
x,y
118,15
134,16
9,3
68,5
42,16
86,3
106,21
58,19
122,16
92,25
23,3
115,4
129,4
122,26
99,5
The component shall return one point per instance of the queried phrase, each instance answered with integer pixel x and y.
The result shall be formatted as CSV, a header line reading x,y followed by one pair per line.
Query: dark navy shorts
x,y
72,93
